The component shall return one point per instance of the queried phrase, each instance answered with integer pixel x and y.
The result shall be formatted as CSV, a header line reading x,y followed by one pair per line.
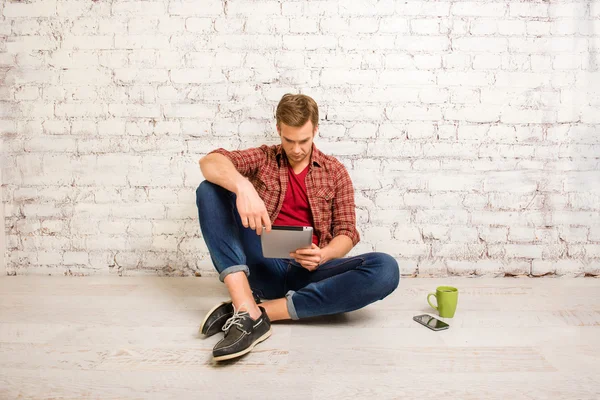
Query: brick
x,y
463,251
492,234
394,25
464,234
488,44
422,43
594,235
244,8
471,9
523,251
487,61
31,76
337,25
113,227
442,217
571,10
528,10
23,27
98,42
46,8
455,182
167,227
407,233
576,234
433,9
425,26
49,258
508,218
261,42
25,44
536,45
389,216
190,111
339,76
139,8
458,150
479,267
558,267
512,27
538,28
190,7
134,110
505,200
521,234
582,181
140,228
575,218
83,76
7,59
142,41
397,248
428,267
510,181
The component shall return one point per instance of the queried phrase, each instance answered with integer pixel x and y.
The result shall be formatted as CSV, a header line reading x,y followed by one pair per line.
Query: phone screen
x,y
431,322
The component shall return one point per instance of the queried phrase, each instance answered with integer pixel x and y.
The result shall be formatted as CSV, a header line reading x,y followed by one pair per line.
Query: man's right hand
x,y
252,209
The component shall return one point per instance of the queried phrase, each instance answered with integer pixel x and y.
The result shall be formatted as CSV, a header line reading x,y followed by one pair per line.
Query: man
x,y
288,184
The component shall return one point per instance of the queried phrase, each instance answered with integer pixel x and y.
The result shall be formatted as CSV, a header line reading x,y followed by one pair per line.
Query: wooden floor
x,y
136,338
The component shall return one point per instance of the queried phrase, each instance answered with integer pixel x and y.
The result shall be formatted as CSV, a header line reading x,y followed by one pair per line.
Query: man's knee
x,y
388,273
205,189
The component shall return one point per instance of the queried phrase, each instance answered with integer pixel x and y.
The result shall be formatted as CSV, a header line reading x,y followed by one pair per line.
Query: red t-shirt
x,y
295,210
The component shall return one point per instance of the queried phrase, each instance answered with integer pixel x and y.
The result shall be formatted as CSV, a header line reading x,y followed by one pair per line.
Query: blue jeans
x,y
337,286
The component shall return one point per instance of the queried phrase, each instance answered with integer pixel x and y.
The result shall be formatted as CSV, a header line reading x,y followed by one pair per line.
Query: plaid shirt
x,y
328,186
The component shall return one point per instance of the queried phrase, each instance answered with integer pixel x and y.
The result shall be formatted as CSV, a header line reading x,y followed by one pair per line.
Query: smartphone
x,y
431,322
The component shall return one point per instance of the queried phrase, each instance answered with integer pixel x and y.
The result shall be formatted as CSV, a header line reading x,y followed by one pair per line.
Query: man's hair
x,y
296,109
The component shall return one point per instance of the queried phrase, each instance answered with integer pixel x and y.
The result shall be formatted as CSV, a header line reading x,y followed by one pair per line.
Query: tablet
x,y
283,240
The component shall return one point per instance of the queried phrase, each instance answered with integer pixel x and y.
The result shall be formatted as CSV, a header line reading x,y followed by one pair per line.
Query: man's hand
x,y
309,258
251,208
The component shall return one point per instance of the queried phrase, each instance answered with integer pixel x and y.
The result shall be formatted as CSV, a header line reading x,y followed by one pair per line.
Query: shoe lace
x,y
236,318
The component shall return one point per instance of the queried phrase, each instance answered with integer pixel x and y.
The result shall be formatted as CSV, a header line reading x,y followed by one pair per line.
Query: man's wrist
x,y
241,184
325,255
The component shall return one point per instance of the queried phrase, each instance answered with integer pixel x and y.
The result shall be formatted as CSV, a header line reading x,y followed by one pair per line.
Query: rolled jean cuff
x,y
290,305
232,269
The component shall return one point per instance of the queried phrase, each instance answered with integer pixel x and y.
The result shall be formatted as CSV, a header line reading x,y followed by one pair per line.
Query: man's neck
x,y
300,166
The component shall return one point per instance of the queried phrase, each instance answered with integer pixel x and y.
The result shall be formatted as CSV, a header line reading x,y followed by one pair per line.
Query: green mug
x,y
447,298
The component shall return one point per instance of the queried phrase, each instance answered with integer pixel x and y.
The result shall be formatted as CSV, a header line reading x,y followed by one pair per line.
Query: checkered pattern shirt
x,y
328,186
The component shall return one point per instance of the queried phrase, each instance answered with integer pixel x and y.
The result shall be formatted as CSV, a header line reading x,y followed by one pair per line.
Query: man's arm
x,y
218,169
345,234
337,248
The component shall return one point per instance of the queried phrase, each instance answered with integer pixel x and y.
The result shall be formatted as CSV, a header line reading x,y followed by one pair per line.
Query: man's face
x,y
297,141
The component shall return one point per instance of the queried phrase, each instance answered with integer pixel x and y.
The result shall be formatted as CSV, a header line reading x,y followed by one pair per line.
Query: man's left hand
x,y
309,258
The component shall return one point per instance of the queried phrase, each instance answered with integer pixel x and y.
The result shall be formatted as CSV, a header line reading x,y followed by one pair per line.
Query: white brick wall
x,y
471,129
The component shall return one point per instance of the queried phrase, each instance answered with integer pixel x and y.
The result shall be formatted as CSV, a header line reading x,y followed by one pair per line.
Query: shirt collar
x,y
316,157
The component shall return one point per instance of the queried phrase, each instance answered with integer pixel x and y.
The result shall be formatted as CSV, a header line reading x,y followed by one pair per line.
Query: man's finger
x,y
267,221
306,259
257,225
244,221
306,251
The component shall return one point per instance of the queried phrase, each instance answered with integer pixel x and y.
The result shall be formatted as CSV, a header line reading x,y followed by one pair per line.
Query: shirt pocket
x,y
267,179
324,199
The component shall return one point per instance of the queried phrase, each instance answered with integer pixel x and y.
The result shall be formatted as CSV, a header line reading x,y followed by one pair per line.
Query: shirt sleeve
x,y
247,162
344,209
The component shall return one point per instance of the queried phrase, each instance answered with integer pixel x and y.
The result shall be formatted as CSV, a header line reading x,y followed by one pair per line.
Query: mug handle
x,y
428,296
